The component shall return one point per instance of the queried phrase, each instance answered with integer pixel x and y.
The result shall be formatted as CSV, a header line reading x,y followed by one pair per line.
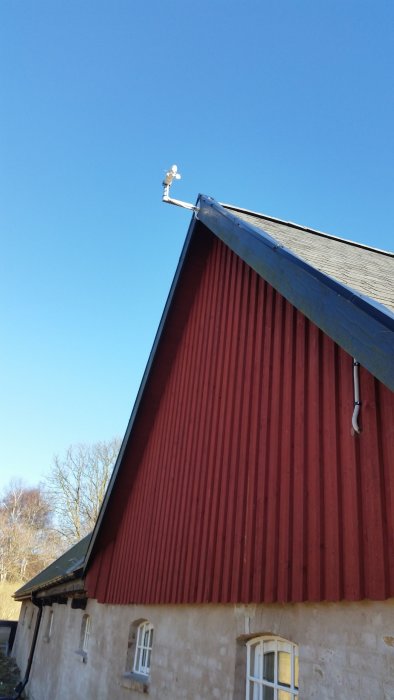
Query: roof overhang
x,y
53,587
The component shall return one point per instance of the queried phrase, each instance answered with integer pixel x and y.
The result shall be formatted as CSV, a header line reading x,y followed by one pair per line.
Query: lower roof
x,y
62,569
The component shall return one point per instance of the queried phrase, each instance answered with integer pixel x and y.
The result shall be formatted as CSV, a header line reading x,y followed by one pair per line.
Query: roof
x,y
65,567
367,270
345,288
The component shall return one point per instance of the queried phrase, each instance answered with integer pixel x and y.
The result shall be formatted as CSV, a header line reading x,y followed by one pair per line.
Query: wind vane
x,y
171,175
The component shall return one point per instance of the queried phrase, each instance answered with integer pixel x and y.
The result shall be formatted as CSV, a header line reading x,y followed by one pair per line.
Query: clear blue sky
x,y
281,107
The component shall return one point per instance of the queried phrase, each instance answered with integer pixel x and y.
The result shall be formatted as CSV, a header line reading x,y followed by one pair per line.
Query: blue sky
x,y
282,107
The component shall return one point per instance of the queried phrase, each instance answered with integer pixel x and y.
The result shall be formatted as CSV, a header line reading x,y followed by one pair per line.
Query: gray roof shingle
x,y
366,270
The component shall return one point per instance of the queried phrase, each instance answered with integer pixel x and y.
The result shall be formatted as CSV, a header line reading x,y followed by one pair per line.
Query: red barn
x,y
245,545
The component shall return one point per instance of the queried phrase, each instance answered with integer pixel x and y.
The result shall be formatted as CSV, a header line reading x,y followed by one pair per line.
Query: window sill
x,y
135,681
82,655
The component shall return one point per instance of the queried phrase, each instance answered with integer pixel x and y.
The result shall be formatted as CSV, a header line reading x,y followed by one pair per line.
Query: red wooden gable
x,y
241,481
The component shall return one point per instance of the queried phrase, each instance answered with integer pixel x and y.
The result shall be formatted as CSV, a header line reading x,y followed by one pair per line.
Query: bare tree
x,y
26,542
77,484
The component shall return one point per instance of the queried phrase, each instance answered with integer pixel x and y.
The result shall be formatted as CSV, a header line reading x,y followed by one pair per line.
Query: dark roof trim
x,y
364,328
56,587
63,588
140,393
27,591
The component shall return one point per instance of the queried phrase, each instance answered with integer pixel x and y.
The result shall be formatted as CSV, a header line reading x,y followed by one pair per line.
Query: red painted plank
x,y
273,454
262,481
298,554
372,501
286,467
250,527
331,500
385,422
352,540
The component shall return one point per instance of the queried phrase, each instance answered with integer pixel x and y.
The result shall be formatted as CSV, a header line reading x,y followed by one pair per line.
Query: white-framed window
x,y
85,633
272,669
143,648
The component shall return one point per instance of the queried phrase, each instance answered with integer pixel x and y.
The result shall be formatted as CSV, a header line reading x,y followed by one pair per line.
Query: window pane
x,y
269,666
268,693
137,659
151,638
282,695
296,672
252,667
256,661
87,632
284,668
255,691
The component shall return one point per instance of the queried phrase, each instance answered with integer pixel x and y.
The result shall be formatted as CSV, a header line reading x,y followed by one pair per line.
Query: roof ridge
x,y
308,229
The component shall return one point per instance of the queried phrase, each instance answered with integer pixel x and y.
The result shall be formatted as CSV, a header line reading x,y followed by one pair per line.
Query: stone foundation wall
x,y
346,650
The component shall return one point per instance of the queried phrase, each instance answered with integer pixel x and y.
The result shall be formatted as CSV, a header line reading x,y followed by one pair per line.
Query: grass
x,y
9,608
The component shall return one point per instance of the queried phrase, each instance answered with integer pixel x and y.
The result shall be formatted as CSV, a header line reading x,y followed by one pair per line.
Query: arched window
x,y
85,633
272,669
143,648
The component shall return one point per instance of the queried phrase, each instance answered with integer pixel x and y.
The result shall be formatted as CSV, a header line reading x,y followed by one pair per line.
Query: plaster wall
x,y
199,653
24,635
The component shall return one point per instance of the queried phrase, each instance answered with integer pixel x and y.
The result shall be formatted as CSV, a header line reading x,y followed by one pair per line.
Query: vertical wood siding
x,y
242,481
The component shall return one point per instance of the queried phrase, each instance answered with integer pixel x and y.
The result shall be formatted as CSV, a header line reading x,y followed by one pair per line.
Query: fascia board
x,y
28,592
74,586
361,326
